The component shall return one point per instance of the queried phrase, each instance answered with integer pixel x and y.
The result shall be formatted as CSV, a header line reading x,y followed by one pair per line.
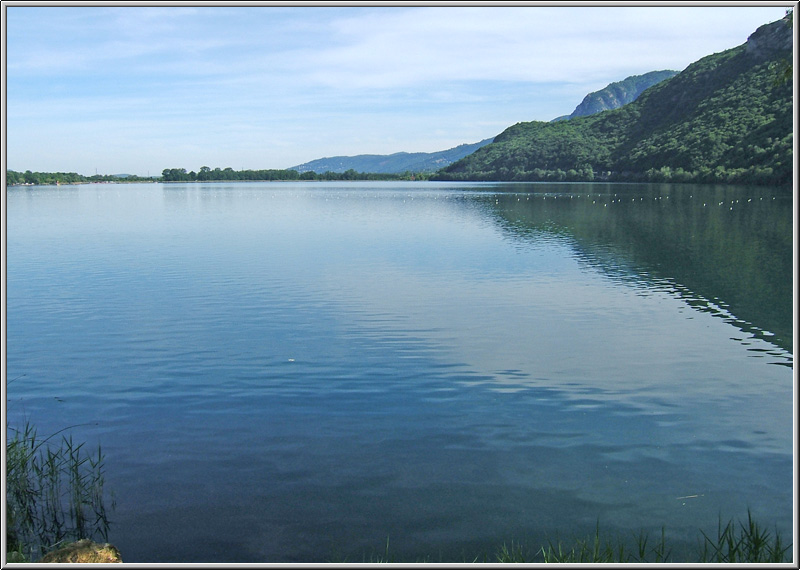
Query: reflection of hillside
x,y
723,249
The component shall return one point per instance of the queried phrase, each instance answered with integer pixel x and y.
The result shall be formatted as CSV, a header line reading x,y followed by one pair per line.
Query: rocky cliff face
x,y
620,93
770,38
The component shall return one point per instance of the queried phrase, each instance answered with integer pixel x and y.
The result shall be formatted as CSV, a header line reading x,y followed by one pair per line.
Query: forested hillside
x,y
725,118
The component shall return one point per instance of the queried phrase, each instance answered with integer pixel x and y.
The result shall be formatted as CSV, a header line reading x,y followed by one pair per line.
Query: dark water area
x,y
726,245
295,372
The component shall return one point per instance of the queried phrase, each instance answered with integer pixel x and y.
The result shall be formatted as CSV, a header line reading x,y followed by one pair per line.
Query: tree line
x,y
14,178
206,174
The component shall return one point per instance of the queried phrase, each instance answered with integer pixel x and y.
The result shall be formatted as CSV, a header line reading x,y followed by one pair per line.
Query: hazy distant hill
x,y
726,118
612,96
396,163
617,94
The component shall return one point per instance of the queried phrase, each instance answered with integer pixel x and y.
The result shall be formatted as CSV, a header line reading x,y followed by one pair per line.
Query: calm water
x,y
295,372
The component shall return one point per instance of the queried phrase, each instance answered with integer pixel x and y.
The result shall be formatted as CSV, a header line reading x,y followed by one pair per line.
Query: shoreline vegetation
x,y
15,179
55,497
54,493
28,178
749,542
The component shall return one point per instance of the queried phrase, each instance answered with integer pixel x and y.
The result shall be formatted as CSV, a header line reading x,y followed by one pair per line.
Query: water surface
x,y
295,372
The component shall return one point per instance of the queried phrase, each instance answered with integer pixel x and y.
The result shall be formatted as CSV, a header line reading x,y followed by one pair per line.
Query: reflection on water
x,y
727,250
294,372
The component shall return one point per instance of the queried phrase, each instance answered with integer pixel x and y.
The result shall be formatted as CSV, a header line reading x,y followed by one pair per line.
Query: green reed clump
x,y
54,493
747,543
515,552
752,543
597,550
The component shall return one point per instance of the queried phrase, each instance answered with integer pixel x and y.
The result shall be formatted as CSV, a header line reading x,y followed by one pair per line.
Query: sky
x,y
136,89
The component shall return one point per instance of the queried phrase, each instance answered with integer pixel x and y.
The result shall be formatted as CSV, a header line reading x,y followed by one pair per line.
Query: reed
x,y
748,542
752,543
54,493
597,550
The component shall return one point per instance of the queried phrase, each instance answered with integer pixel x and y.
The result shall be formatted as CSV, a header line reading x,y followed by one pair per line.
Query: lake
x,y
299,372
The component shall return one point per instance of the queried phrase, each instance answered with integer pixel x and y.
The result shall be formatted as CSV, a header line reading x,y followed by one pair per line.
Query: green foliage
x,y
595,550
752,544
54,494
14,178
724,119
206,174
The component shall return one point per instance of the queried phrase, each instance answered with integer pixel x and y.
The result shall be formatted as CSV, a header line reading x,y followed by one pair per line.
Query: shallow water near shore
x,y
293,372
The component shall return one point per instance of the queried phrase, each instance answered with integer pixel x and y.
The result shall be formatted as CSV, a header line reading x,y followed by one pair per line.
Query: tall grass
x,y
752,543
747,543
597,550
54,493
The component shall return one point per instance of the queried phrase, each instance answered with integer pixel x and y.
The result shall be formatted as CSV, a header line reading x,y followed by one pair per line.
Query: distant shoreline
x,y
30,184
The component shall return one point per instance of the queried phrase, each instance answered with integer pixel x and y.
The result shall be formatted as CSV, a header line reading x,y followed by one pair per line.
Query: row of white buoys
x,y
600,199
633,199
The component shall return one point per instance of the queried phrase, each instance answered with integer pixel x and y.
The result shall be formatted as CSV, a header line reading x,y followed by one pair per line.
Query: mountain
x,y
396,163
612,96
617,94
726,118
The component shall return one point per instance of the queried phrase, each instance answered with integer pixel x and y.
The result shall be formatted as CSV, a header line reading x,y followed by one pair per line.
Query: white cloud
x,y
401,46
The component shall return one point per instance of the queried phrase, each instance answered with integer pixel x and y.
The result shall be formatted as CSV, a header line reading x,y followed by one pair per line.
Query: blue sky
x,y
137,89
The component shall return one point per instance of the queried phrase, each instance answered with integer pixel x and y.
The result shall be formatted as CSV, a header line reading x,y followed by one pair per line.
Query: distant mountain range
x,y
396,163
617,94
727,118
611,97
